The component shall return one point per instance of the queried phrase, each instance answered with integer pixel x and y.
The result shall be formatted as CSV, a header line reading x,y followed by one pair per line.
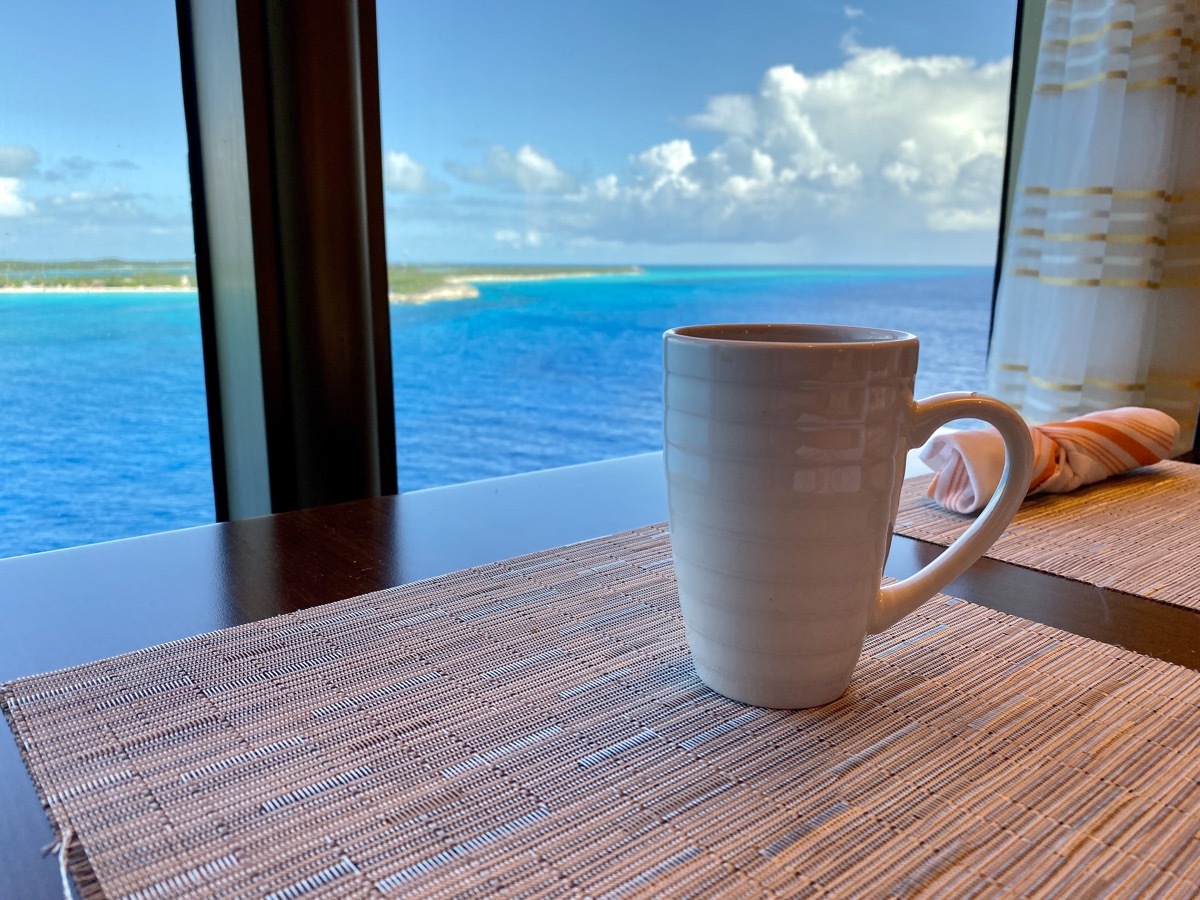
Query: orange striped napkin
x,y
967,464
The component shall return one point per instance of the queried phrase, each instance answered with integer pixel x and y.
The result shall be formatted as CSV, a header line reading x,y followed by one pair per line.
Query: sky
x,y
538,131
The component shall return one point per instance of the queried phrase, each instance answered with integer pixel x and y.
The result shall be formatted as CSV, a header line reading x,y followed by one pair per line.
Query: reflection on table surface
x,y
69,607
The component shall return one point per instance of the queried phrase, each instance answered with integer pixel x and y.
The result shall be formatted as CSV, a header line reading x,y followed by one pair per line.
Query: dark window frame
x,y
281,102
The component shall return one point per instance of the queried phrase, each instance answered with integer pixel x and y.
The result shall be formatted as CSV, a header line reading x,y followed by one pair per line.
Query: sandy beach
x,y
452,287
462,287
457,291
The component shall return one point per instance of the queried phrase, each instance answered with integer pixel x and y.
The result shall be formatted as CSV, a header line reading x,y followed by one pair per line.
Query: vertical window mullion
x,y
289,219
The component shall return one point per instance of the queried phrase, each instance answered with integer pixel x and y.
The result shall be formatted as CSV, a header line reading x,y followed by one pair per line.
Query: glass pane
x,y
103,424
701,162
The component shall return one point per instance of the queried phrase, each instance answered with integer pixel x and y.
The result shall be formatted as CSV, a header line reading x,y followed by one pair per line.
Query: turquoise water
x,y
538,374
103,430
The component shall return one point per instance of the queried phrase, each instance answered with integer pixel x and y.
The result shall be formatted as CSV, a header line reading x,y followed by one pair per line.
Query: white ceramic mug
x,y
785,448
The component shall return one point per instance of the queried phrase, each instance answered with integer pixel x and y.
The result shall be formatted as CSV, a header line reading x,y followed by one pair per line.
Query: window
x,y
103,430
705,162
691,162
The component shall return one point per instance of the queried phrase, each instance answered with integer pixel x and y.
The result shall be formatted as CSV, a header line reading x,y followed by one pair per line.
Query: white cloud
x,y
881,157
17,160
852,12
62,206
404,175
12,204
527,171
112,204
947,219
733,114
511,237
670,160
883,141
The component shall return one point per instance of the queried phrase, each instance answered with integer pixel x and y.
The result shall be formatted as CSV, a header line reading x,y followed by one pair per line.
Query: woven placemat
x,y
1138,533
535,727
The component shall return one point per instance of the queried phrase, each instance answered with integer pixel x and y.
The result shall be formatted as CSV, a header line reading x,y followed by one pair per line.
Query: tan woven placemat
x,y
534,728
1138,533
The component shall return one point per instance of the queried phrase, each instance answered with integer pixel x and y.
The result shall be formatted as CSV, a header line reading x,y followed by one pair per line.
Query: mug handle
x,y
895,601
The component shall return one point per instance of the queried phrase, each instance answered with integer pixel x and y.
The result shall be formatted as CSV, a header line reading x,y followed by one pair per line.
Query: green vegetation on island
x,y
406,283
96,274
426,283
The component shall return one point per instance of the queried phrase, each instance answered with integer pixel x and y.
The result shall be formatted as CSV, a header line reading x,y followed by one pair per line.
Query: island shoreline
x,y
453,285
93,289
463,287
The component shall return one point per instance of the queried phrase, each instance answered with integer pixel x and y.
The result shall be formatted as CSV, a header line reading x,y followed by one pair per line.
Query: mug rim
x,y
752,334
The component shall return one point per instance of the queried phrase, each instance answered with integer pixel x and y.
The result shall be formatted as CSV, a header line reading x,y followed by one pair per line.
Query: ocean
x,y
103,429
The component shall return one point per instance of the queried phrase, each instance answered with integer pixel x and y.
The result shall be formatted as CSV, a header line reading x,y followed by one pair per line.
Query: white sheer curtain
x,y
1099,302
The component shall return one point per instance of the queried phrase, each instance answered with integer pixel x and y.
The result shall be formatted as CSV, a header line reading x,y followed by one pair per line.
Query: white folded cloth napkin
x,y
967,464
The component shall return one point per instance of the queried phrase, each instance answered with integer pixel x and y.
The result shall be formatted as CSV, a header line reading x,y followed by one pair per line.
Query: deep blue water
x,y
103,425
103,430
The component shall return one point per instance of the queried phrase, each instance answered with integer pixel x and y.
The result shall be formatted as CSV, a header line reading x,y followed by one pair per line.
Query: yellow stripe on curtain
x,y
1099,293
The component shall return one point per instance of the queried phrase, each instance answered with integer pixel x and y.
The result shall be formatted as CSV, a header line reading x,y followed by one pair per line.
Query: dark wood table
x,y
68,607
